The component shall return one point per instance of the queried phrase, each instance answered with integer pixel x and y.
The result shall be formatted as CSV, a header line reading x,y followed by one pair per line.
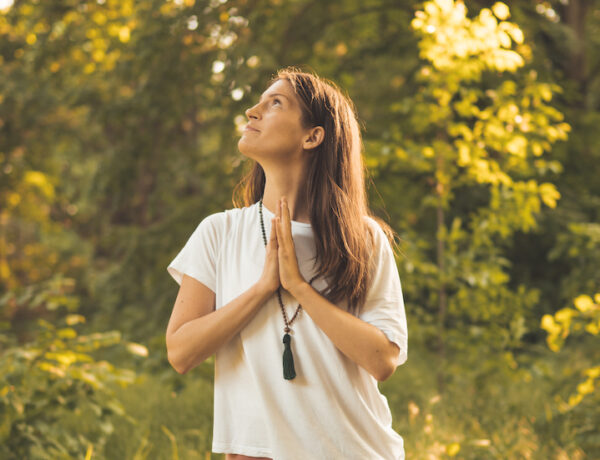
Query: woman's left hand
x,y
289,272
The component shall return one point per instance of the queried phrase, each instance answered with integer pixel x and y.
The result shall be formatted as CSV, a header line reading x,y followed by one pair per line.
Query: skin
x,y
282,147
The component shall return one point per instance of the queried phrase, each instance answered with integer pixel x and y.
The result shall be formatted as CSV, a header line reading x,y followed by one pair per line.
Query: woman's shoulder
x,y
222,220
374,225
382,234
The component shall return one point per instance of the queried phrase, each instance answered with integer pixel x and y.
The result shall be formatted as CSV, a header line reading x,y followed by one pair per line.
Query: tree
x,y
479,128
574,321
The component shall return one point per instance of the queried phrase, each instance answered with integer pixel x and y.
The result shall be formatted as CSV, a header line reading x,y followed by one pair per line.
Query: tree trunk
x,y
443,300
575,15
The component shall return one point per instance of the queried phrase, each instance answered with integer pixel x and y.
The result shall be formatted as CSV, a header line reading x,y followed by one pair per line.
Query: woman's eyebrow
x,y
274,94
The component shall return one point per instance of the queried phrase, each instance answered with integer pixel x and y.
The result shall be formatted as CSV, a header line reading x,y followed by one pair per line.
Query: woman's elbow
x,y
386,373
175,363
389,365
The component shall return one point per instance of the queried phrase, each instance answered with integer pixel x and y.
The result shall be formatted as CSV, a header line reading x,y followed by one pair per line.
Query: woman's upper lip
x,y
248,126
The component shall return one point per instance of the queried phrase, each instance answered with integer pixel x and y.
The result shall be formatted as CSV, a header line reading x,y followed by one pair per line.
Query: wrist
x,y
297,288
263,290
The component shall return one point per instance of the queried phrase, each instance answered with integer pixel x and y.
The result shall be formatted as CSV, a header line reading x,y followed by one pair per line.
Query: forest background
x,y
119,123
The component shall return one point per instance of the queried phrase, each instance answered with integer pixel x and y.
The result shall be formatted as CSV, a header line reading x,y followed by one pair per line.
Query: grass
x,y
505,414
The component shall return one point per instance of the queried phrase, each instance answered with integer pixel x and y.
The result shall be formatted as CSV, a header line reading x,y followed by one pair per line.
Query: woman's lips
x,y
250,128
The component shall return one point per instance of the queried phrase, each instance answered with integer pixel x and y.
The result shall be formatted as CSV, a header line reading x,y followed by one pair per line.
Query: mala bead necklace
x,y
288,359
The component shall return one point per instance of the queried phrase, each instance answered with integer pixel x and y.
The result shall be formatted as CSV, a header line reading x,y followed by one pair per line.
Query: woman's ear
x,y
315,137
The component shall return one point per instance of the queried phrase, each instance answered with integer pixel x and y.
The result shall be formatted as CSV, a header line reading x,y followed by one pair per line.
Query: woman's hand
x,y
289,272
270,275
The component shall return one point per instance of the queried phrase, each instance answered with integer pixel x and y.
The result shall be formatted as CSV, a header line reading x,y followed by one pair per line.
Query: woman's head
x,y
303,117
323,133
277,129
324,105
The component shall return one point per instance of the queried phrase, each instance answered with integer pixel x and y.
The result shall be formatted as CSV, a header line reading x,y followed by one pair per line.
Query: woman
x,y
297,292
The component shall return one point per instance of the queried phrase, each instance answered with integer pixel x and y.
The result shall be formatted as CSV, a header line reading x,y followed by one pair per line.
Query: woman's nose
x,y
252,111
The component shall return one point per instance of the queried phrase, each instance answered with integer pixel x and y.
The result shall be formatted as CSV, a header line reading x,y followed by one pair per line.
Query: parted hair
x,y
335,189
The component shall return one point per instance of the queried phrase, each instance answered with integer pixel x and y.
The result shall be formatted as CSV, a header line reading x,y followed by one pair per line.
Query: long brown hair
x,y
335,189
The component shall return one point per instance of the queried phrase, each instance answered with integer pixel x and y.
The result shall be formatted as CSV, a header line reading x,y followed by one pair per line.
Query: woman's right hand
x,y
269,279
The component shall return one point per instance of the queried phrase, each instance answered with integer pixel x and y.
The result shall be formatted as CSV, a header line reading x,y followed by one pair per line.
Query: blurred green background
x,y
119,124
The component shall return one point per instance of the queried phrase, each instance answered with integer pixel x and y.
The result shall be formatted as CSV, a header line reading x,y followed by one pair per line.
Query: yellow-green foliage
x,y
480,126
46,380
584,317
30,199
491,134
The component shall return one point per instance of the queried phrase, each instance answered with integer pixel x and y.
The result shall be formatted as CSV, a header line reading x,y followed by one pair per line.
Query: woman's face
x,y
278,130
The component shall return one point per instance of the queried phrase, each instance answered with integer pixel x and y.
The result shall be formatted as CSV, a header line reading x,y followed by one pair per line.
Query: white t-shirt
x,y
333,408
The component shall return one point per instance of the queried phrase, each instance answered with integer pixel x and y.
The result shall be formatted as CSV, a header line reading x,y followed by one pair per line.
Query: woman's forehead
x,y
281,86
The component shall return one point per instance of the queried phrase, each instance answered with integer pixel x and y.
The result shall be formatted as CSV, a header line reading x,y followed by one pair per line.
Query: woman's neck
x,y
299,211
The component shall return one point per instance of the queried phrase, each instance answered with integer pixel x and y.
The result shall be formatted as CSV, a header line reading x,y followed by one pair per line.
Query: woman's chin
x,y
244,148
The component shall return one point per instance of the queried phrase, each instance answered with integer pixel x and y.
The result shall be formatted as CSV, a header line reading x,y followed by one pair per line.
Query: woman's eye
x,y
276,100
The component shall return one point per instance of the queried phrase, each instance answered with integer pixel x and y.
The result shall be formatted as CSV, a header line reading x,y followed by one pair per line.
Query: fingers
x,y
279,224
273,238
284,219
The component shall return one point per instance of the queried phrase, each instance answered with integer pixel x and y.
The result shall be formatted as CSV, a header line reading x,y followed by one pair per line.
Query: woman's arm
x,y
191,341
360,341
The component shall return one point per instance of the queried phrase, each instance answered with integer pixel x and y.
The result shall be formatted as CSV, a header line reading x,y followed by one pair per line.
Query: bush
x,y
49,378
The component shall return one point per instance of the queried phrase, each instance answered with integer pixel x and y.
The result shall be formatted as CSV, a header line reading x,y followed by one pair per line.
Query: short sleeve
x,y
198,258
384,304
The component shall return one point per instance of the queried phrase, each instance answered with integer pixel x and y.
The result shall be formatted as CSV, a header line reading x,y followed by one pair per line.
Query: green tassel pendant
x,y
288,359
